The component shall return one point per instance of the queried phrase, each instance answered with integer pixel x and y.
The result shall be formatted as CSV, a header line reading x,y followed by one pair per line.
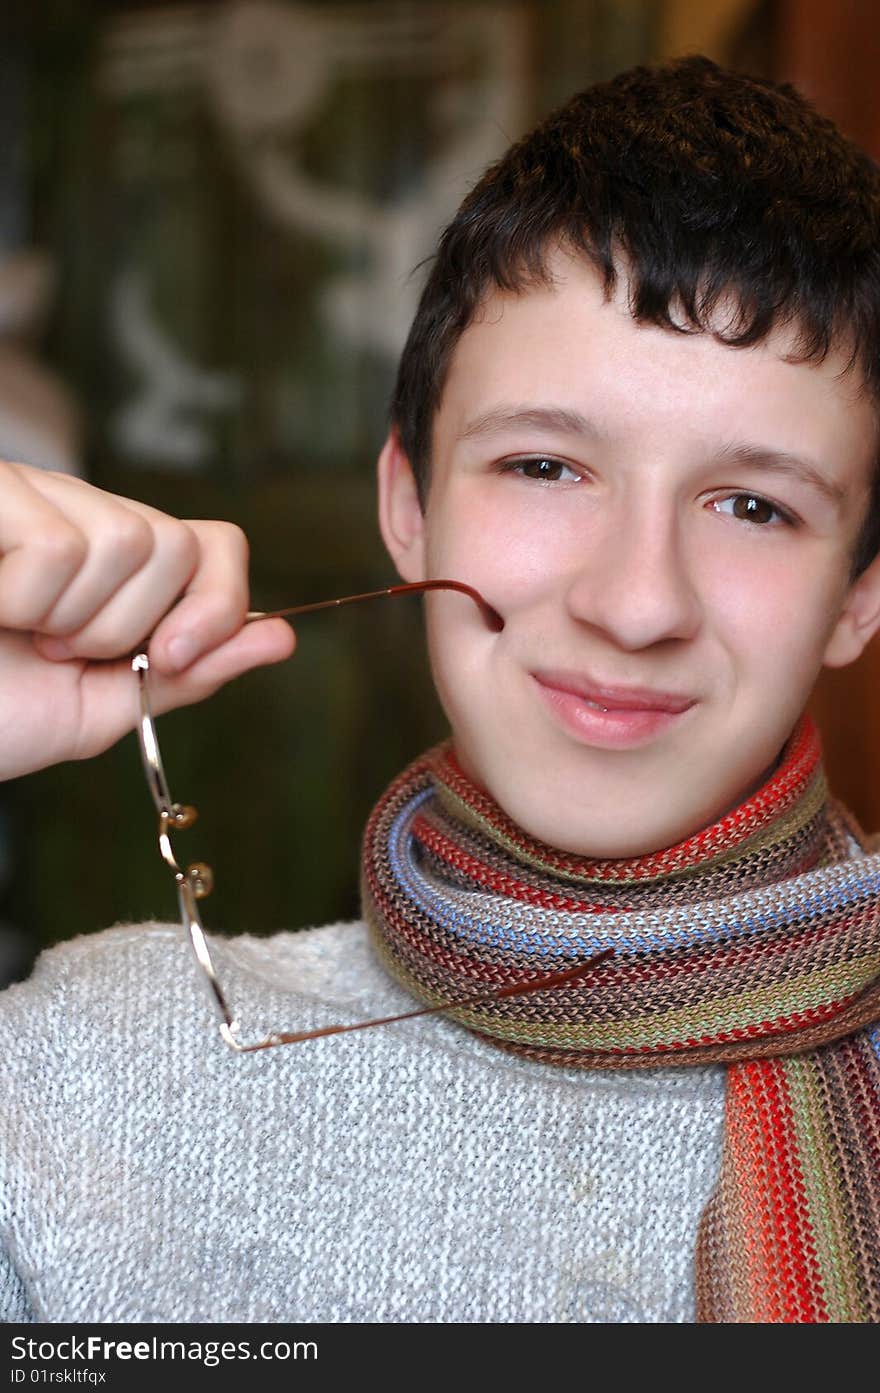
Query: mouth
x,y
610,717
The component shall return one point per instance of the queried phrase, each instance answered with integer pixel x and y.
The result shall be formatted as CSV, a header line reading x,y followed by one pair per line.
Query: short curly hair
x,y
710,185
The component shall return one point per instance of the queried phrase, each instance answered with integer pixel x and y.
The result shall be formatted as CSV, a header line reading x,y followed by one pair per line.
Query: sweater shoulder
x,y
144,977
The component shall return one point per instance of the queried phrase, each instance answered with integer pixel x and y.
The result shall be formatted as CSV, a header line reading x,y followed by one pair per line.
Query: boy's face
x,y
666,526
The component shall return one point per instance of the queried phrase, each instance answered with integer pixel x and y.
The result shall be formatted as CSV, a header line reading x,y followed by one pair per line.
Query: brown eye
x,y
749,508
548,471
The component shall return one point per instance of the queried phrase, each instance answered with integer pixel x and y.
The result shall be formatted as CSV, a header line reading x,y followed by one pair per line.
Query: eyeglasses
x,y
196,882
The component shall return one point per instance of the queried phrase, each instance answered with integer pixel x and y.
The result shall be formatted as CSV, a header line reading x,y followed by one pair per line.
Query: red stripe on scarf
x,y
785,1280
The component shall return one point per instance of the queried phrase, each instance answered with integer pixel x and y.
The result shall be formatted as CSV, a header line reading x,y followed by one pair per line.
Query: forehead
x,y
565,345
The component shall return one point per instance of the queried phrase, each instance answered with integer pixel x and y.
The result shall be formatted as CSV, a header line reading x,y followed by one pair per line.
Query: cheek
x,y
460,662
508,551
777,614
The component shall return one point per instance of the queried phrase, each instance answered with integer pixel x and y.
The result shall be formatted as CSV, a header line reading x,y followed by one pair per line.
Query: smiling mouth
x,y
610,717
610,698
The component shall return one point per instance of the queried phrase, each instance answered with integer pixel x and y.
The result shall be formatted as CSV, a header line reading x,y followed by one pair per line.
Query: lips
x,y
614,698
609,717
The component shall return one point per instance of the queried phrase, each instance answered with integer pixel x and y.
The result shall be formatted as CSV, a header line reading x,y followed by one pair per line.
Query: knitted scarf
x,y
755,943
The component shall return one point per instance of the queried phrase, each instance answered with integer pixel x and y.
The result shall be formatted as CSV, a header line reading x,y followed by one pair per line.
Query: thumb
x,y
110,706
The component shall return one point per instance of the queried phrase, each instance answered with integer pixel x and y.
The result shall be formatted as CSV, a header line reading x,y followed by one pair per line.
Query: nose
x,y
634,578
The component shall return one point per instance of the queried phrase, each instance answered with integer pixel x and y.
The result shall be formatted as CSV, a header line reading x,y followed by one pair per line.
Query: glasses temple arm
x,y
491,615
548,982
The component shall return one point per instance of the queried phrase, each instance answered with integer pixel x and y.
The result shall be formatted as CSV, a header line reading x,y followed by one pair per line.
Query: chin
x,y
604,843
608,805
619,822
608,830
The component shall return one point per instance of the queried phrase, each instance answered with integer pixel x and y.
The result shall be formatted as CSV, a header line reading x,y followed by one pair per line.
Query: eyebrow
x,y
781,462
555,418
568,422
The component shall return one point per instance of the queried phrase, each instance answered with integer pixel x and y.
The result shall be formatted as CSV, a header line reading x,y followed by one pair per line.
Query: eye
x,y
751,507
542,468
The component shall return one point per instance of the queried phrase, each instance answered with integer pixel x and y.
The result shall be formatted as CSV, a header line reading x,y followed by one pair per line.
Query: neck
x,y
794,789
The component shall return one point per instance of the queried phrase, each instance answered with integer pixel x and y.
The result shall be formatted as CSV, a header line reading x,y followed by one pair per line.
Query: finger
x,y
40,551
256,645
139,603
214,605
110,703
139,562
120,541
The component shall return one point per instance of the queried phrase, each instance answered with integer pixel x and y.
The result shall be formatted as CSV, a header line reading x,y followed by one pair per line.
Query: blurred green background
x,y
229,200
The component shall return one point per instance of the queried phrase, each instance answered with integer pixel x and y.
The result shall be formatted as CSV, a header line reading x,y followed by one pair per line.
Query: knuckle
x,y
13,466
62,546
179,544
132,536
236,540
227,537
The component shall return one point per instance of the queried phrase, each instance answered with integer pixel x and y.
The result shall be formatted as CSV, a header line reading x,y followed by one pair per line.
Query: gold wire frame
x,y
196,881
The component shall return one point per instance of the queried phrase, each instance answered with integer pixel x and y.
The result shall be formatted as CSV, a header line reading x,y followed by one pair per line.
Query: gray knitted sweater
x,y
410,1173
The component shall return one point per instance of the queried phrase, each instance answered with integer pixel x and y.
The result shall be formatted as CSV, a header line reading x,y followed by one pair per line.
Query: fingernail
x,y
181,652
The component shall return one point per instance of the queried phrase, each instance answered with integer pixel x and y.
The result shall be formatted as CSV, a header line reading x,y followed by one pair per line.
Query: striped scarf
x,y
754,943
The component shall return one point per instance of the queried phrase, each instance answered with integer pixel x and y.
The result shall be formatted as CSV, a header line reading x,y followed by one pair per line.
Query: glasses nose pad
x,y
201,878
183,815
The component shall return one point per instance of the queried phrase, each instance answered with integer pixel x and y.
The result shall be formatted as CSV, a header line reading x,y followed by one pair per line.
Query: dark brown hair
x,y
710,185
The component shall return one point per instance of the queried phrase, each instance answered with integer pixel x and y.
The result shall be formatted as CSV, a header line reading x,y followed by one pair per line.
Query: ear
x,y
859,619
401,519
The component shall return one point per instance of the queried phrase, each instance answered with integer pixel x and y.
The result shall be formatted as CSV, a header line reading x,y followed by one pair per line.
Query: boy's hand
x,y
84,578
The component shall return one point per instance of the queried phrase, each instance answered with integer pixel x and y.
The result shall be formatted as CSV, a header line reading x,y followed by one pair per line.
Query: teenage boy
x,y
638,411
